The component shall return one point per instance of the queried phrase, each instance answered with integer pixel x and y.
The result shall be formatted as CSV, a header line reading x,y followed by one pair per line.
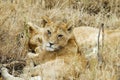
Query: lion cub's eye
x,y
60,35
48,31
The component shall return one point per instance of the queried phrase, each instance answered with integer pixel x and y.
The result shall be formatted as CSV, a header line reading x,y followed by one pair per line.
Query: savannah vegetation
x,y
14,34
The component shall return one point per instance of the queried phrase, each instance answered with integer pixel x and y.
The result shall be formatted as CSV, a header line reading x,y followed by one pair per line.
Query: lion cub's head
x,y
55,34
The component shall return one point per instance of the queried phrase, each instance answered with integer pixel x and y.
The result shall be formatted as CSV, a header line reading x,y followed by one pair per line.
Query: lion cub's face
x,y
55,35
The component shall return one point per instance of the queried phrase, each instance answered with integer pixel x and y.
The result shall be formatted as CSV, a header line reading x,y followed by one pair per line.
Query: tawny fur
x,y
78,40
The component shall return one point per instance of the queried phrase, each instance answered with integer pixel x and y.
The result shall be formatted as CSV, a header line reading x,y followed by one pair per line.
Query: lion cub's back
x,y
85,35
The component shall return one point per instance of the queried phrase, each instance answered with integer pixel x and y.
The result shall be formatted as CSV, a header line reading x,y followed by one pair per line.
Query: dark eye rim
x,y
60,35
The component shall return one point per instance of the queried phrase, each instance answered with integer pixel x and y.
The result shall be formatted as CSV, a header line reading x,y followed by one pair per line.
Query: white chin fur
x,y
49,49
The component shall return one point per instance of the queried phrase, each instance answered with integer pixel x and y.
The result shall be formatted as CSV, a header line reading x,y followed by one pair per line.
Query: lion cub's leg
x,y
49,70
38,50
33,59
35,41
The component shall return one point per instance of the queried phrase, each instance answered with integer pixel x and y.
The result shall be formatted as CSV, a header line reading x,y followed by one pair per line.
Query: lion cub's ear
x,y
70,28
68,25
45,20
33,28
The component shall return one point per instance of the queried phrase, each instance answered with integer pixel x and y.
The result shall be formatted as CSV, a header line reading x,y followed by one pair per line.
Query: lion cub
x,y
60,37
53,40
56,51
55,36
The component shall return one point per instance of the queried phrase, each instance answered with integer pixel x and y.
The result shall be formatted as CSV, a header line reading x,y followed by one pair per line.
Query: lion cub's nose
x,y
51,43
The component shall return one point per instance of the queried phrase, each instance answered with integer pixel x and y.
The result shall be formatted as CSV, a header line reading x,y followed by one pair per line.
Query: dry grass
x,y
14,34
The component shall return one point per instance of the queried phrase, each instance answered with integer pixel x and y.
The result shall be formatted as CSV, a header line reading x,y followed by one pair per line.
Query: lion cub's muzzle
x,y
50,46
